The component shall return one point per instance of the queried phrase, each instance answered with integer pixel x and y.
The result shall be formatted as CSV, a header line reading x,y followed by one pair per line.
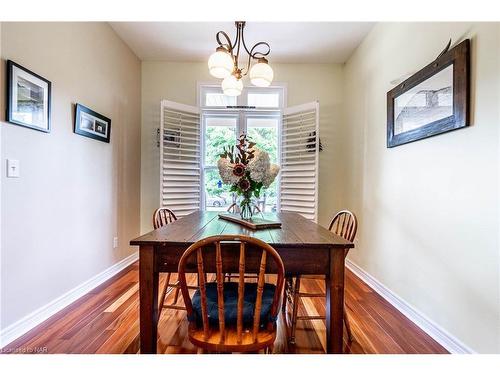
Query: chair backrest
x,y
244,245
235,209
163,216
344,224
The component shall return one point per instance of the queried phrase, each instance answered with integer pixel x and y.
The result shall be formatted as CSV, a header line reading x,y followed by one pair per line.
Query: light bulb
x,y
220,63
261,74
232,86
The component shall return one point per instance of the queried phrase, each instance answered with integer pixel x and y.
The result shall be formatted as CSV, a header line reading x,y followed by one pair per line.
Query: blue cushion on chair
x,y
231,303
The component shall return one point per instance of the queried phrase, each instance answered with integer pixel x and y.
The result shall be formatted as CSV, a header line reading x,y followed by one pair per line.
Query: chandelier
x,y
223,63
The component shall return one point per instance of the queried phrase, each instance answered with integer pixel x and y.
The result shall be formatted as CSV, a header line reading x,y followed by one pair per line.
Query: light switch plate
x,y
13,168
115,242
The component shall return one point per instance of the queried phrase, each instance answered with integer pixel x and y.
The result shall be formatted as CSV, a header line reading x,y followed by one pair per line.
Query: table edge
x,y
277,245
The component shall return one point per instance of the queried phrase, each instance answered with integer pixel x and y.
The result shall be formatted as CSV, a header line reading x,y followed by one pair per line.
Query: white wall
x,y
2,109
178,82
75,193
429,210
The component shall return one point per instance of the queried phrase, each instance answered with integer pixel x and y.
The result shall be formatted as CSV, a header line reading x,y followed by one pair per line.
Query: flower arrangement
x,y
247,169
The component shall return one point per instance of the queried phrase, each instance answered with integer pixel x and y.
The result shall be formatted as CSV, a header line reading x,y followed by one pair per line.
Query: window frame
x,y
242,114
241,100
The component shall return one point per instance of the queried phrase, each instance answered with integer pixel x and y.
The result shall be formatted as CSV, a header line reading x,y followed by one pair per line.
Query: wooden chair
x,y
344,224
225,316
161,217
235,209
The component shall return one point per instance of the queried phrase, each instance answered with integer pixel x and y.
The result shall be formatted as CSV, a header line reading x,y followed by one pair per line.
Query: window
x,y
264,100
219,131
212,97
215,98
222,126
191,138
264,131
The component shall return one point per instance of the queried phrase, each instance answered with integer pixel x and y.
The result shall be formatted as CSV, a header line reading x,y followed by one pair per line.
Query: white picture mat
x,y
415,103
16,73
93,119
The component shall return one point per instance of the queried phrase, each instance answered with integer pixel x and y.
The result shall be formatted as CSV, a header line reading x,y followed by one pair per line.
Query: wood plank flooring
x,y
106,320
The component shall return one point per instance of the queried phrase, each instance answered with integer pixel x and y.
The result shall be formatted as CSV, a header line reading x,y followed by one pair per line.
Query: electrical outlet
x,y
115,242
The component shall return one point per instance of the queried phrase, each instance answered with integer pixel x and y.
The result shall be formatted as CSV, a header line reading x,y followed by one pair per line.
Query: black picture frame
x,y
91,124
458,58
14,72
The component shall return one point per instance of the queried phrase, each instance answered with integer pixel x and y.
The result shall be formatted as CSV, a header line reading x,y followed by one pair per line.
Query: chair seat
x,y
231,304
263,340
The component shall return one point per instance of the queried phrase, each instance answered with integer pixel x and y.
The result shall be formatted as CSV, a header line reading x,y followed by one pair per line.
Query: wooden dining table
x,y
305,247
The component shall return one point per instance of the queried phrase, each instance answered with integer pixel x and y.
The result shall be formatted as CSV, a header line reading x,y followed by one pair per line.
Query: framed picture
x,y
434,100
28,98
91,124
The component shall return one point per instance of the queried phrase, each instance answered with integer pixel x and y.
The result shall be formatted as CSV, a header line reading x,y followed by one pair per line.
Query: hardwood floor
x,y
106,320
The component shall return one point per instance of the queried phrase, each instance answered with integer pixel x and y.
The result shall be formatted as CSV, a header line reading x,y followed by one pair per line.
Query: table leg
x,y
148,289
335,302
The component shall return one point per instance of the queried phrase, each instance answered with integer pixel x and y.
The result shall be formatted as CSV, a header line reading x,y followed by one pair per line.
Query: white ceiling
x,y
291,42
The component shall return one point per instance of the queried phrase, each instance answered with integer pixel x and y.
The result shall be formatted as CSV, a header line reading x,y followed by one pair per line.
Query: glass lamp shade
x,y
261,74
232,86
220,64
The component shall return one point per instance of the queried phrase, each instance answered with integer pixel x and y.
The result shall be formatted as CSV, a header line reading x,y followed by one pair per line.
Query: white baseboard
x,y
30,321
447,340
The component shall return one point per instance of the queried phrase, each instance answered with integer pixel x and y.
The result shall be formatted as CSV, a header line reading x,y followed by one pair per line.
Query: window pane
x,y
220,132
215,99
268,198
217,195
260,100
264,132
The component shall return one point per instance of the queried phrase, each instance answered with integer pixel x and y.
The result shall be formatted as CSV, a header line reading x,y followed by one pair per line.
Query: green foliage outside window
x,y
217,137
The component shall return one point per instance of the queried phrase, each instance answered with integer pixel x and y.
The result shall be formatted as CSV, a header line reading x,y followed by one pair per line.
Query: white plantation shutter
x,y
299,160
180,147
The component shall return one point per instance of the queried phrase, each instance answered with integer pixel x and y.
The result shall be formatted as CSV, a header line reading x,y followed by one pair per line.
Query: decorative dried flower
x,y
259,165
226,171
244,184
239,170
246,168
271,175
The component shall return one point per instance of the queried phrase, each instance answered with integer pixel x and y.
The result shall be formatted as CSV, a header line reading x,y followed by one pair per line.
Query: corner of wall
x,y
64,172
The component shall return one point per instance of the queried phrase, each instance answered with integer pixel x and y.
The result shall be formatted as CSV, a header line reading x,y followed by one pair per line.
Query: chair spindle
x,y
241,292
203,292
260,289
220,291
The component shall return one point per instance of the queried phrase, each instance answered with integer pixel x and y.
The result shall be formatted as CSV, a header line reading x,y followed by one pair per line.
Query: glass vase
x,y
246,209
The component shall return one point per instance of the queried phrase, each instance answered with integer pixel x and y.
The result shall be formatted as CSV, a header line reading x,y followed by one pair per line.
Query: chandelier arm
x,y
247,69
252,54
239,38
228,45
235,39
258,54
244,44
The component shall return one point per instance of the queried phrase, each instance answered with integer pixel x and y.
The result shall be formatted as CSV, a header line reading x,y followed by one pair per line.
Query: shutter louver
x,y
180,174
299,160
